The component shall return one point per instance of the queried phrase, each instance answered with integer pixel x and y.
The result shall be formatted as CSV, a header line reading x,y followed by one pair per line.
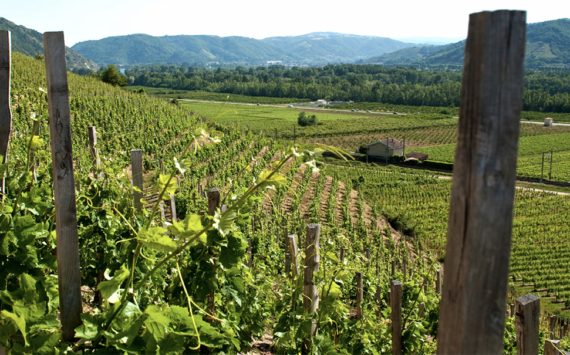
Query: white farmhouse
x,y
386,148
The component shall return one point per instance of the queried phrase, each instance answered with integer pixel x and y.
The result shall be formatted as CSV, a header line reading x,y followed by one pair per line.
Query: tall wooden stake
x,y
92,131
472,315
137,174
293,253
396,305
527,321
359,294
69,278
312,262
5,104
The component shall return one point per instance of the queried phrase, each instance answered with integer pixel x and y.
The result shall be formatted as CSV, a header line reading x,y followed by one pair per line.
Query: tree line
x,y
547,91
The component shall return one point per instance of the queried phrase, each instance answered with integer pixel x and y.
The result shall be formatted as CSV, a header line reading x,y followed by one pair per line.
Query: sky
x,y
92,20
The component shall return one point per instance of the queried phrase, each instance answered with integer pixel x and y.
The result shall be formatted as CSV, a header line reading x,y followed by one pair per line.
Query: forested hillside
x,y
315,48
30,42
548,47
544,91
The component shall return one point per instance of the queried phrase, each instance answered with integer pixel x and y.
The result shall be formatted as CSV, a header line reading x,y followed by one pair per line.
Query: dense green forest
x,y
544,91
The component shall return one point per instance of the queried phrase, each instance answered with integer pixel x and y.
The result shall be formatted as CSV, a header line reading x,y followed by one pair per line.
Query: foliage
x,y
307,120
111,75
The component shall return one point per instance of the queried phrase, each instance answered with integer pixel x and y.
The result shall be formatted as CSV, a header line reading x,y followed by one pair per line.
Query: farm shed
x,y
416,155
548,121
386,148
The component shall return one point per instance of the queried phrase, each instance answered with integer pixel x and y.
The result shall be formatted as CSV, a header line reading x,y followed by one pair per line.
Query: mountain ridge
x,y
548,47
30,42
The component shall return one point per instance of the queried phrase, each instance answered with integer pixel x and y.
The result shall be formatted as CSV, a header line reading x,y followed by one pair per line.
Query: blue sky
x,y
82,20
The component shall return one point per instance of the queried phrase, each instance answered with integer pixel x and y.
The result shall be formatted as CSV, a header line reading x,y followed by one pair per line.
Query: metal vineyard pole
x,y
473,306
69,279
5,105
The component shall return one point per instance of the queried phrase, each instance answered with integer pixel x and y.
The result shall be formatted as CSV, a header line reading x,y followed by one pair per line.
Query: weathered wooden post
x,y
396,305
213,204
367,255
342,252
312,262
438,281
472,315
92,131
359,294
527,322
137,174
421,309
5,104
249,255
173,208
552,325
404,268
287,263
293,252
552,347
378,301
69,278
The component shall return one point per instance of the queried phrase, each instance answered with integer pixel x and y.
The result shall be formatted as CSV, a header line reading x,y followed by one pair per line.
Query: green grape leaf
x,y
163,183
191,225
155,238
110,287
223,222
28,284
273,181
90,327
233,252
37,142
19,321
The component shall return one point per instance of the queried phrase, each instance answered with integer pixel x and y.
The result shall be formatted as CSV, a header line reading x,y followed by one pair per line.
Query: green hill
x,y
548,47
30,42
333,47
198,50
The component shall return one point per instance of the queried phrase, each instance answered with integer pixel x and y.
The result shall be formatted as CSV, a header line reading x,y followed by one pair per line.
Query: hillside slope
x,y
335,47
548,47
313,48
30,42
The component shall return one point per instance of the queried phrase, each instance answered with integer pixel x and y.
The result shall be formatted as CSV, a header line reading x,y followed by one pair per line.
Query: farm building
x,y
386,148
548,121
321,102
416,155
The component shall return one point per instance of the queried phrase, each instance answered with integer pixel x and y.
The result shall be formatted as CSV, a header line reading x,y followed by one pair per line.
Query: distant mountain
x,y
313,48
548,47
333,47
30,42
434,41
145,49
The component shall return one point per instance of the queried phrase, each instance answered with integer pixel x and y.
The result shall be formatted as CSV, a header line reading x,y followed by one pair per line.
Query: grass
x,y
214,96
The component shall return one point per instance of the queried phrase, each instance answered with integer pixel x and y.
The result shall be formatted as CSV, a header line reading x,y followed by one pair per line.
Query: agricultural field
x,y
418,204
227,280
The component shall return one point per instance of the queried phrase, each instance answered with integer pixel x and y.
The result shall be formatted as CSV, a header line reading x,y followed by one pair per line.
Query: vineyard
x,y
200,231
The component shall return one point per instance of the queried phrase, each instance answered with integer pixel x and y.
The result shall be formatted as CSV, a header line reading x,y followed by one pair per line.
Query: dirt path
x,y
324,203
286,204
309,196
340,200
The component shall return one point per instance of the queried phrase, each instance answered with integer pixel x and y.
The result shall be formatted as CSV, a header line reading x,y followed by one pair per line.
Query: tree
x,y
306,120
111,75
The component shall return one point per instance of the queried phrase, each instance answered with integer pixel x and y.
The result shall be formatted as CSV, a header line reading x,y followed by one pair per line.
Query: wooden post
x,y
173,208
287,263
213,200
393,267
472,314
552,347
378,300
342,252
527,322
69,278
92,131
552,325
396,305
5,104
438,281
404,268
312,262
421,310
367,255
359,294
250,256
292,243
137,173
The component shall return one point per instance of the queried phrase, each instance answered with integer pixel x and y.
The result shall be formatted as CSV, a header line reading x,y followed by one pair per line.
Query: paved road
x,y
359,113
